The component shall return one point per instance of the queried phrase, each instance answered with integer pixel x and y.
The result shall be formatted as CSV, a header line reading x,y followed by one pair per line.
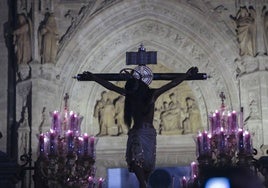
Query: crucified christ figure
x,y
138,116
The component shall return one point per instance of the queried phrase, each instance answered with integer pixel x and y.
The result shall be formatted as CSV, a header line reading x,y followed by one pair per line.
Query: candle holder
x,y
66,157
225,147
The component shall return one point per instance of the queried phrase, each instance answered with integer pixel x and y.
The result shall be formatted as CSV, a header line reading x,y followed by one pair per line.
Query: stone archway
x,y
182,39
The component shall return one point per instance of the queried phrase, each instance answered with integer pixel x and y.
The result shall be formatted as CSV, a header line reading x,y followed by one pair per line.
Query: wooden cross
x,y
140,58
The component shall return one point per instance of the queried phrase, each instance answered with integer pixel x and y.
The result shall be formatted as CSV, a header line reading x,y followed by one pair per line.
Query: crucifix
x,y
140,106
140,58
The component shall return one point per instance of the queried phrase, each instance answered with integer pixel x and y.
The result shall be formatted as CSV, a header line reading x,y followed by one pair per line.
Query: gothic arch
x,y
182,36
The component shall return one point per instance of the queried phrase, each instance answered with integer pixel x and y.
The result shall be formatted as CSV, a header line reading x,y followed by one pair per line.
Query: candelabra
x,y
225,147
66,157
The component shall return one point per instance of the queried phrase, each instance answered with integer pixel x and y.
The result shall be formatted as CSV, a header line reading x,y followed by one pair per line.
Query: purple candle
x,y
90,182
234,122
52,139
240,141
70,142
80,146
73,121
218,121
199,144
205,142
194,170
42,144
100,184
221,141
229,123
56,123
184,182
247,143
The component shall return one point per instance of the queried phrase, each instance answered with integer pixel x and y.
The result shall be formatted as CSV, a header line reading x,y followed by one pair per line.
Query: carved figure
x,y
192,122
22,40
139,108
99,112
119,114
265,28
171,116
108,119
48,40
246,30
23,133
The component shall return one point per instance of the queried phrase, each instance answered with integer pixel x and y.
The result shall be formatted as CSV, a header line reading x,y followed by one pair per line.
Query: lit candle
x,y
221,141
240,141
234,122
184,182
199,144
73,121
90,182
100,184
52,139
85,146
80,146
194,170
56,124
229,123
70,142
206,143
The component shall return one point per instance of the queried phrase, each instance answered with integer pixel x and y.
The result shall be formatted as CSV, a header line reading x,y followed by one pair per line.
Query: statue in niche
x,y
22,39
170,117
48,39
265,29
192,121
246,30
23,133
108,126
98,110
139,109
104,111
119,114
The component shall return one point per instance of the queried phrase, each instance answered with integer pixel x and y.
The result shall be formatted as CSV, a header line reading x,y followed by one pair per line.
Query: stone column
x,y
254,100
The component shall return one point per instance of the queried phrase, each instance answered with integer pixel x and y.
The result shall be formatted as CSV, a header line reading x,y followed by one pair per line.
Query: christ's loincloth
x,y
141,148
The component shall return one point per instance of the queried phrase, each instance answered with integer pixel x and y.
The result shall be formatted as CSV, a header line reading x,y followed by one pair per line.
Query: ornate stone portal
x,y
175,114
94,35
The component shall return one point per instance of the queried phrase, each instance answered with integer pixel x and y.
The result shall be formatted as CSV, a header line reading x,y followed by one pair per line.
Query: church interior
x,y
60,128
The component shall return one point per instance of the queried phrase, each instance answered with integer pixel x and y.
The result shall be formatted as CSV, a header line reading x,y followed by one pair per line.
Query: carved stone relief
x,y
22,39
23,133
48,39
246,30
176,112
